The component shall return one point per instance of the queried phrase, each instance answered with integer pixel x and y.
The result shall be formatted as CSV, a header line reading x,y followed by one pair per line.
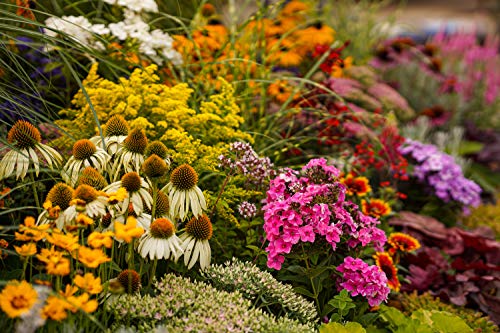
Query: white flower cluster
x,y
77,27
136,5
155,44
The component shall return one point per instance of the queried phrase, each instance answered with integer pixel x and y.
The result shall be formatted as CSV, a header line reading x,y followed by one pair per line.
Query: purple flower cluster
x,y
247,210
359,278
440,171
248,163
302,207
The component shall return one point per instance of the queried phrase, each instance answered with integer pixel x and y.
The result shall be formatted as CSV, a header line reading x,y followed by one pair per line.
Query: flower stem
x,y
35,193
155,197
220,194
153,272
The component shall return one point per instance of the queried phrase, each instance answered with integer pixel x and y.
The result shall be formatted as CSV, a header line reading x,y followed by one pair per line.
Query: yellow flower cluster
x,y
192,136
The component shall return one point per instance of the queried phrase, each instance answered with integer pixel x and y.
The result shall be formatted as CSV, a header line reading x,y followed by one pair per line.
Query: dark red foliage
x,y
459,266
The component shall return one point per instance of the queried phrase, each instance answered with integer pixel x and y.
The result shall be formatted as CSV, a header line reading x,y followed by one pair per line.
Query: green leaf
x,y
304,291
350,327
469,147
297,269
446,322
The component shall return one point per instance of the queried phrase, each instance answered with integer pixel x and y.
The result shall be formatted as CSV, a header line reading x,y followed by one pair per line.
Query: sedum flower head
x,y
26,140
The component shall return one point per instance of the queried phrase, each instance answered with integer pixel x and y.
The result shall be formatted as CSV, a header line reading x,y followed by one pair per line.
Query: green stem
x,y
153,272
316,300
155,197
131,255
25,264
35,193
220,194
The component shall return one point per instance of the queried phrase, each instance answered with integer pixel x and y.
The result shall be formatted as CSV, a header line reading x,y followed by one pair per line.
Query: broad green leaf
x,y
350,327
303,291
446,322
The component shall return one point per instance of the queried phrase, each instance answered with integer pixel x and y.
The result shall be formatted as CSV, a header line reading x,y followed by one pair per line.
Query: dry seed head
x,y
131,181
154,167
162,228
130,280
24,135
90,176
207,10
136,141
158,148
86,193
116,126
200,228
83,149
60,195
106,220
184,177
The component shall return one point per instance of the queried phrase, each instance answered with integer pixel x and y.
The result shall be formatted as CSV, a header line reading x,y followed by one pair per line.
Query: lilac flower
x,y
440,172
247,210
248,163
359,278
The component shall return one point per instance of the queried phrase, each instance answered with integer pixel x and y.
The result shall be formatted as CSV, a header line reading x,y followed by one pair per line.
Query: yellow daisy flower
x,y
97,239
127,232
91,258
17,298
26,250
55,262
88,283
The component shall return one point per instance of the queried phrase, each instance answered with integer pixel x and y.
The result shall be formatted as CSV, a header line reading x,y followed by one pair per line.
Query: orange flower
x,y
83,303
384,261
98,239
403,242
89,283
281,91
375,207
29,232
318,33
67,242
127,232
359,186
26,250
293,8
284,52
84,220
17,298
55,308
89,257
3,245
55,263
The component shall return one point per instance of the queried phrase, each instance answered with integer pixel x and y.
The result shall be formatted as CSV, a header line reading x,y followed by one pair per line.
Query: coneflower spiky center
x,y
83,149
24,134
184,177
60,195
90,176
162,228
158,148
86,193
116,126
131,181
154,166
200,227
136,141
130,280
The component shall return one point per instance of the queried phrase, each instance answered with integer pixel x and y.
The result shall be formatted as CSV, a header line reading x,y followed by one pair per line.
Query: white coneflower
x,y
85,154
195,242
58,200
87,201
183,192
130,155
115,132
137,189
160,242
26,140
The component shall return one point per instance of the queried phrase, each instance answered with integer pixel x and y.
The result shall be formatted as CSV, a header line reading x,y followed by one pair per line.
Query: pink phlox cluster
x,y
302,207
359,278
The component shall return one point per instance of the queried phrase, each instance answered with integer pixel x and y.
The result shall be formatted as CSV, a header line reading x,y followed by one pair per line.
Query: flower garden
x,y
170,166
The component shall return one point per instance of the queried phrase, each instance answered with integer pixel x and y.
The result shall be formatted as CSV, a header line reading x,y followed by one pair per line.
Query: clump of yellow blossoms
x,y
196,137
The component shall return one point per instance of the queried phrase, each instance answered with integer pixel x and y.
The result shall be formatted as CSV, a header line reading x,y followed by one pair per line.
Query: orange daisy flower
x,y
375,207
359,186
281,91
402,242
384,261
315,34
